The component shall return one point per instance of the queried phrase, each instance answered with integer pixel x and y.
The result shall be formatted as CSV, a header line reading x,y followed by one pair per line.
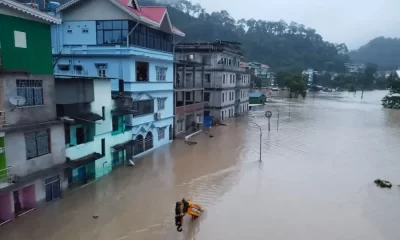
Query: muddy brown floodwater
x,y
315,181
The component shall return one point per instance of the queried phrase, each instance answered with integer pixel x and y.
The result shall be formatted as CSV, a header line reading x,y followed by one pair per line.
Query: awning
x,y
123,146
49,172
84,160
86,117
122,112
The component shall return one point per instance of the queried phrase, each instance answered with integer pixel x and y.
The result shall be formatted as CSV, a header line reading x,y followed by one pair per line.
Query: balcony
x,y
83,150
228,68
188,85
145,86
189,108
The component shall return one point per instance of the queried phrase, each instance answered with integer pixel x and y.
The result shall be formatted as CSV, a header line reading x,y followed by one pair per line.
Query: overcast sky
x,y
353,22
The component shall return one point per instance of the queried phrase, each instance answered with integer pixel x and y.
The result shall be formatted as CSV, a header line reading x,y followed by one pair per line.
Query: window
x,y
198,118
230,62
223,97
101,70
103,147
161,133
115,125
161,73
112,32
37,143
230,78
223,78
143,107
20,39
188,76
142,71
147,37
207,77
206,96
161,103
31,90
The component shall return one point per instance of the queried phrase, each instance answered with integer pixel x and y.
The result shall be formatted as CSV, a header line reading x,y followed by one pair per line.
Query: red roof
x,y
152,13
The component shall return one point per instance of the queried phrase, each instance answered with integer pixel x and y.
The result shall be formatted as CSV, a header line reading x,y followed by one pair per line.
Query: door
x,y
80,135
82,174
222,115
17,203
53,190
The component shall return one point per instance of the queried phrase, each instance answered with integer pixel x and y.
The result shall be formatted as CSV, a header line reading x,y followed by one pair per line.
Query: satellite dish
x,y
17,101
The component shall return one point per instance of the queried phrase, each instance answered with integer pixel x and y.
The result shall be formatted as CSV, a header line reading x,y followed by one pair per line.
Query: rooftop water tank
x,y
52,6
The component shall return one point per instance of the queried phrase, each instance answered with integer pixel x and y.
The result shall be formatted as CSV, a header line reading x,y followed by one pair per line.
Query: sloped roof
x,y
244,64
154,15
256,95
30,11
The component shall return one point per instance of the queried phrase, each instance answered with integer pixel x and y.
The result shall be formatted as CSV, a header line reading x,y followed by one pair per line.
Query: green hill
x,y
384,52
278,44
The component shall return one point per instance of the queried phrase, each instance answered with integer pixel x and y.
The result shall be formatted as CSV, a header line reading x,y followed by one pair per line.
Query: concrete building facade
x,y
132,46
222,75
32,143
189,97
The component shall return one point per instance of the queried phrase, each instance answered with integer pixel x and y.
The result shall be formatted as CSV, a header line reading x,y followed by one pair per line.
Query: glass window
x,y
99,25
108,37
100,39
117,24
125,25
37,143
32,91
107,25
116,36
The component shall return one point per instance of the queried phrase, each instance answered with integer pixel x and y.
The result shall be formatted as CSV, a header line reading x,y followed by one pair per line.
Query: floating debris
x,y
383,183
190,142
95,216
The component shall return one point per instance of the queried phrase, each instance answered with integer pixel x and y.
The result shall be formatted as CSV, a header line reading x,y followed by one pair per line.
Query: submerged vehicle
x,y
186,207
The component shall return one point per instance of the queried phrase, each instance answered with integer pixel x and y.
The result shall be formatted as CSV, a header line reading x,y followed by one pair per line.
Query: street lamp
x,y
268,114
260,136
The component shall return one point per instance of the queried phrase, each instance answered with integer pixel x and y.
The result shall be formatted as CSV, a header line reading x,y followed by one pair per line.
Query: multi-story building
x,y
222,71
32,156
189,96
133,46
258,70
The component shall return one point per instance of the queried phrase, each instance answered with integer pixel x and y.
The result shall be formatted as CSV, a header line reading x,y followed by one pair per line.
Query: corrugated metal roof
x,y
256,95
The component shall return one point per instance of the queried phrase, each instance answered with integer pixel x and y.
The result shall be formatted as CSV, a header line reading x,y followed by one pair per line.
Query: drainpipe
x,y
127,40
174,75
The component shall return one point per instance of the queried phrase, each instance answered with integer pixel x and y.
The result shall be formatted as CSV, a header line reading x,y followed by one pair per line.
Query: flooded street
x,y
315,181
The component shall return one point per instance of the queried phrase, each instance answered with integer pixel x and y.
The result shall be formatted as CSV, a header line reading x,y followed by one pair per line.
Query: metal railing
x,y
6,175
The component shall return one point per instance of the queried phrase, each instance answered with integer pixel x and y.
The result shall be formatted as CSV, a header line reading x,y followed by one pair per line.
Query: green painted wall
x,y
3,164
37,56
89,130
255,100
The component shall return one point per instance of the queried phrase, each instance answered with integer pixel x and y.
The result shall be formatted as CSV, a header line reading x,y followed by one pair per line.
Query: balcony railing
x,y
188,85
189,108
6,175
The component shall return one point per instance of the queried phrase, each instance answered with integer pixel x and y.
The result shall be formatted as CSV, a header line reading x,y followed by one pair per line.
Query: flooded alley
x,y
315,181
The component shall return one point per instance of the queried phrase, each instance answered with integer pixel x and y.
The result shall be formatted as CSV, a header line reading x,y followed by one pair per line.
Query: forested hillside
x,y
384,52
278,44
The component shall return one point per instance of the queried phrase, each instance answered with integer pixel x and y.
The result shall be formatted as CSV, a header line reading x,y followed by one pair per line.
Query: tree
x,y
392,100
297,85
278,44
